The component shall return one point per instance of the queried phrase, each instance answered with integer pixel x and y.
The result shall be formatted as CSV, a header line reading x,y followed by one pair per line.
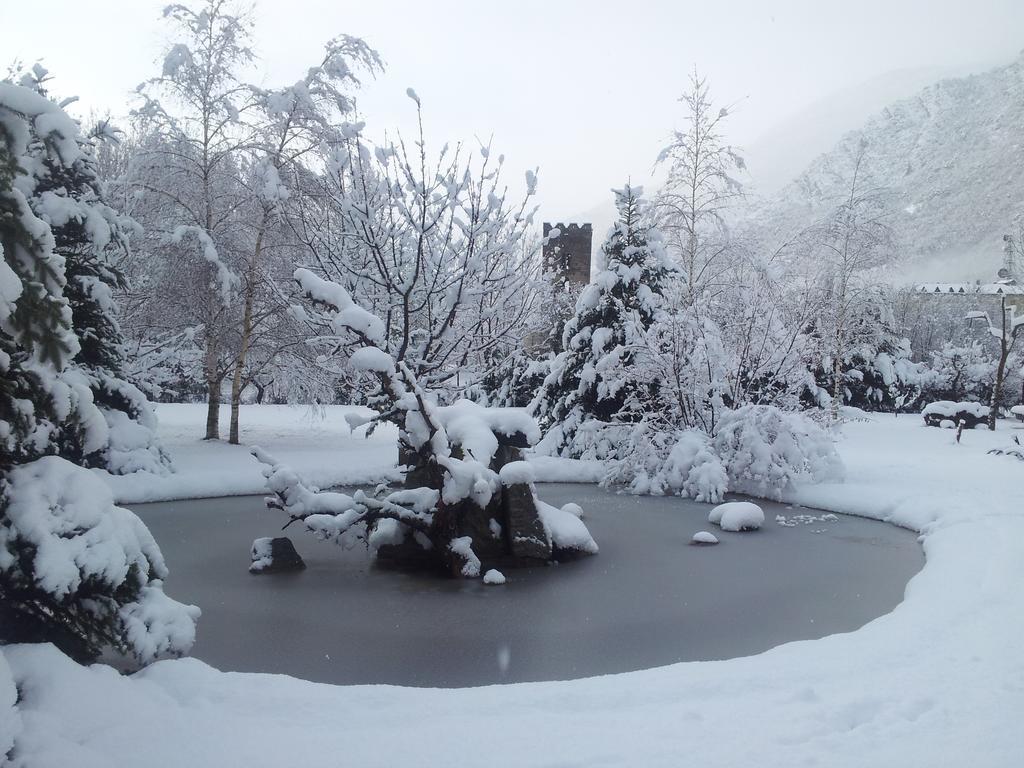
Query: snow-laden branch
x,y
332,516
225,281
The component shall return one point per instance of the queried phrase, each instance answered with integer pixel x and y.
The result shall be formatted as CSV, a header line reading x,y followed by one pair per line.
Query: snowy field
x,y
937,682
317,440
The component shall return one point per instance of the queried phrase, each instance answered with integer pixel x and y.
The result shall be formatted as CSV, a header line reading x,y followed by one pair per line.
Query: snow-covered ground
x,y
316,440
937,682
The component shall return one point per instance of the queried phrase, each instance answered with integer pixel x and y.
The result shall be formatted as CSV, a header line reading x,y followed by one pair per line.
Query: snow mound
x,y
516,473
557,469
463,546
573,509
565,530
494,577
737,516
950,410
703,538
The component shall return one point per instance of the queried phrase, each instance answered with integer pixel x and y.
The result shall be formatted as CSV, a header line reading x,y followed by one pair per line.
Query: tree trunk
x,y
837,359
212,409
997,388
243,347
236,379
1004,353
212,391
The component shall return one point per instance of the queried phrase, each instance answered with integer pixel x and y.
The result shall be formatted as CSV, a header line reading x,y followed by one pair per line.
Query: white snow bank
x,y
516,473
555,469
10,719
317,441
494,577
737,516
565,530
328,446
934,683
703,537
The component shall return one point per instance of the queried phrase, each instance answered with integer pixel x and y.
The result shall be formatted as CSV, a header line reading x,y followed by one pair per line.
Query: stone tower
x,y
568,253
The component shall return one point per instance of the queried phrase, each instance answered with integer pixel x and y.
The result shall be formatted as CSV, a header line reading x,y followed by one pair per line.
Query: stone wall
x,y
568,254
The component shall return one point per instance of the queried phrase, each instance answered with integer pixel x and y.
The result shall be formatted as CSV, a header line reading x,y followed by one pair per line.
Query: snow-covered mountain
x,y
952,159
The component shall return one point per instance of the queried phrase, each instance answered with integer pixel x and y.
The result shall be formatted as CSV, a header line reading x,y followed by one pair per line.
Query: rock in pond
x,y
275,556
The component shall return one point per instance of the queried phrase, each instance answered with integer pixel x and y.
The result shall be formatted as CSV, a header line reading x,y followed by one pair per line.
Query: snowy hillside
x,y
949,158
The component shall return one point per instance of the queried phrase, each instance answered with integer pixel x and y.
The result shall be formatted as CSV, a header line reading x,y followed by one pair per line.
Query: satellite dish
x,y
1004,274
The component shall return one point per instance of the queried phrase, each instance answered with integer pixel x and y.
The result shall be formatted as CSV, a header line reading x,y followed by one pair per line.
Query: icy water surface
x,y
646,600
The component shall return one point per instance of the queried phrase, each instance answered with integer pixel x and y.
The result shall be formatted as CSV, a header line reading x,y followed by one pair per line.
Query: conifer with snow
x,y
75,569
88,234
591,381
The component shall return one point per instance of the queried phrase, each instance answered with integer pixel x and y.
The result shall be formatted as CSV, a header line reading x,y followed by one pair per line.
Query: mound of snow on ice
x,y
737,516
703,537
494,577
573,509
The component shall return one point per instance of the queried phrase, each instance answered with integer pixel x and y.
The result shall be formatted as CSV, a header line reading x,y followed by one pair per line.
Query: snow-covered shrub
x,y
961,372
766,450
81,572
656,462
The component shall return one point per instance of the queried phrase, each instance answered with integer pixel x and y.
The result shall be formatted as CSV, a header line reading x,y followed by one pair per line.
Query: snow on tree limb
x,y
226,281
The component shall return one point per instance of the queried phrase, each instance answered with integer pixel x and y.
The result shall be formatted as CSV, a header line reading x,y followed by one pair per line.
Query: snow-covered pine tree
x,y
88,234
75,569
591,380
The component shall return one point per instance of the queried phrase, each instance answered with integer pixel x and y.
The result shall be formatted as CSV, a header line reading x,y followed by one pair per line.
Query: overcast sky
x,y
584,90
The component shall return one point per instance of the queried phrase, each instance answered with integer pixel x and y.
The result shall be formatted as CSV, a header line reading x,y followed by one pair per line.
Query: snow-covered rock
x,y
494,577
463,546
271,555
565,530
703,539
516,473
941,411
737,516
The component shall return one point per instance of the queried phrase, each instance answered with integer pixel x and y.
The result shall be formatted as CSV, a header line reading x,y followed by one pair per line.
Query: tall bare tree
x,y
702,184
851,242
192,117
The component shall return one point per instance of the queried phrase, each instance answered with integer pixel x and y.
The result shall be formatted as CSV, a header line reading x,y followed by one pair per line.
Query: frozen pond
x,y
646,600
